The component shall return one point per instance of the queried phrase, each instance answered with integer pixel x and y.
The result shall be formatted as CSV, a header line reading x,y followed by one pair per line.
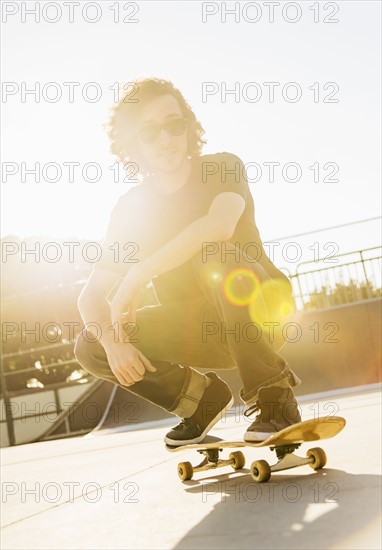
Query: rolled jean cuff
x,y
285,379
193,389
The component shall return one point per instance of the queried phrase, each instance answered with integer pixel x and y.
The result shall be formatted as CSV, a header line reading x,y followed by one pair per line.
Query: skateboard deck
x,y
284,443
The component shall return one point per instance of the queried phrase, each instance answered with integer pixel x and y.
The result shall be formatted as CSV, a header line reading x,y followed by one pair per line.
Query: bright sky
x,y
170,40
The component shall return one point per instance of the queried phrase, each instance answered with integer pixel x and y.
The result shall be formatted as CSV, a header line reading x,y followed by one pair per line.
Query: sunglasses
x,y
150,132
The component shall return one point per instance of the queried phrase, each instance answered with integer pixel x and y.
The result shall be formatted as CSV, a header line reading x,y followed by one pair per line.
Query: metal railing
x,y
344,278
56,407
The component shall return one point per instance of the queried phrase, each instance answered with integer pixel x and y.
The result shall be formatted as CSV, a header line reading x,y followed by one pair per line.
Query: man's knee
x,y
84,352
218,259
221,252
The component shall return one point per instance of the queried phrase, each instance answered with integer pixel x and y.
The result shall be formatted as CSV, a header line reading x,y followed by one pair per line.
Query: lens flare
x,y
211,274
275,303
241,287
216,277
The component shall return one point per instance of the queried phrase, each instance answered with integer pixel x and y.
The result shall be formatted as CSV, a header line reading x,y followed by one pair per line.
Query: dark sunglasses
x,y
150,132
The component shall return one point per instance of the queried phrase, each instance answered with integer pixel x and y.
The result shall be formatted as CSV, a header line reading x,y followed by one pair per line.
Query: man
x,y
188,227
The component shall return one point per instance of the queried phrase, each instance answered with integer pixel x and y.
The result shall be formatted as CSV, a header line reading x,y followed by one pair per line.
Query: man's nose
x,y
164,136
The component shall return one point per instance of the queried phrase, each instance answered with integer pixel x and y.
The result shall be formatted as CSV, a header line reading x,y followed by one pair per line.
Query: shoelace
x,y
256,407
253,408
185,422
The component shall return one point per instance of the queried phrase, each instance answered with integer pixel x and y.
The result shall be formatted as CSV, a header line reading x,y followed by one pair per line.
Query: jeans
x,y
205,331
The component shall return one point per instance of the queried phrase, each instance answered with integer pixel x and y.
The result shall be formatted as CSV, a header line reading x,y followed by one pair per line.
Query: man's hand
x,y
127,363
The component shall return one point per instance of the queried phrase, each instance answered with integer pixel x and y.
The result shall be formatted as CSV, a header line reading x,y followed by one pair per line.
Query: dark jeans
x,y
207,331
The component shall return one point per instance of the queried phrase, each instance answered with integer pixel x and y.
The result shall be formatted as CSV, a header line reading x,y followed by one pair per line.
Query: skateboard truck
x,y
211,460
284,450
260,470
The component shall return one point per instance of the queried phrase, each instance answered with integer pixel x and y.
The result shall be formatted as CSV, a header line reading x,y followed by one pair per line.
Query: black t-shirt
x,y
144,220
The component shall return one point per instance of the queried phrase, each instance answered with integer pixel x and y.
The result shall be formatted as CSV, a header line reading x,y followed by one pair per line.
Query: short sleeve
x,y
228,174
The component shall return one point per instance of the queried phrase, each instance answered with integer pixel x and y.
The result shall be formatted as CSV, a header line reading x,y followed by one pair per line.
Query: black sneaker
x,y
277,409
216,400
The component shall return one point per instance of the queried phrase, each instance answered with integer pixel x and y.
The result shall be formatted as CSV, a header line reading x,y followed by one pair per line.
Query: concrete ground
x,y
121,490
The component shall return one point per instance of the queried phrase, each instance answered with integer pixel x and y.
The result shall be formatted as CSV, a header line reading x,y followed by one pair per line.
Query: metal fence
x,y
340,279
23,367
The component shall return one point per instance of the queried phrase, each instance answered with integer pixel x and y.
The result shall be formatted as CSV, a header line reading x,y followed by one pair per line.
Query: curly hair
x,y
121,124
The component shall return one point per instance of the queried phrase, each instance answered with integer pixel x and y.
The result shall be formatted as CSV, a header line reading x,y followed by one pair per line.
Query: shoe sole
x,y
219,416
257,437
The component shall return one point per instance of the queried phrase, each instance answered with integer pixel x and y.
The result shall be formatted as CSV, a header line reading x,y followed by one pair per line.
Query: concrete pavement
x,y
121,490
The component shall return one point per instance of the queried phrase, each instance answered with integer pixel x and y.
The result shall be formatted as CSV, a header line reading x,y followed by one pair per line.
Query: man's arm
x,y
218,225
94,306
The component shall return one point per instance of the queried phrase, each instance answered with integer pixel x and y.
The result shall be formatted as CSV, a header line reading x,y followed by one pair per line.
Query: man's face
x,y
161,149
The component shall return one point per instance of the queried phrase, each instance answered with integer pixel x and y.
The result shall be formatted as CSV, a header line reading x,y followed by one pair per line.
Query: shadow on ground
x,y
310,511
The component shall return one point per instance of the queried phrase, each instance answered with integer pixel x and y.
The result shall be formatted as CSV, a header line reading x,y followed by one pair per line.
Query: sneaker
x,y
277,409
216,400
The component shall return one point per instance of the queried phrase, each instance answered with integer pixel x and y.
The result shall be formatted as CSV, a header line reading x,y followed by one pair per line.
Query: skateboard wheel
x,y
319,458
260,471
238,460
185,471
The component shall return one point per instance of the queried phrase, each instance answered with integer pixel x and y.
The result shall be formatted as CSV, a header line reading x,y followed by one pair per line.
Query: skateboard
x,y
284,443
